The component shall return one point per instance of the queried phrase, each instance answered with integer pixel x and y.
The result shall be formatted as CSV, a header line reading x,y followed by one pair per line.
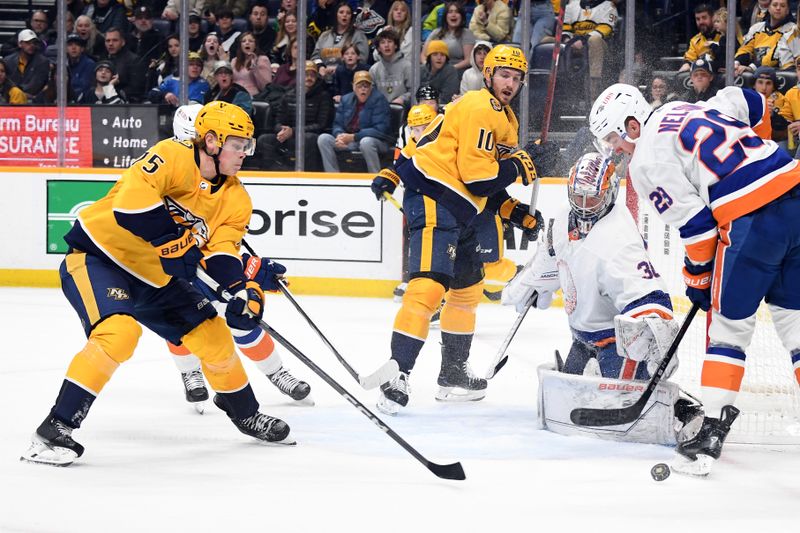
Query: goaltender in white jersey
x,y
617,306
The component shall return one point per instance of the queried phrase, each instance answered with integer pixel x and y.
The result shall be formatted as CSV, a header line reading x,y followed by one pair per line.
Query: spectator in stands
x,y
236,8
400,21
370,17
439,73
591,23
756,13
659,93
274,148
702,79
262,30
790,111
85,28
342,82
169,90
719,50
491,21
706,33
130,77
144,40
211,53
286,7
167,64
196,35
458,39
105,91
226,90
251,67
761,42
328,50
40,24
766,83
172,10
80,66
472,80
28,68
362,122
228,35
10,94
287,32
107,14
323,17
392,74
543,22
286,75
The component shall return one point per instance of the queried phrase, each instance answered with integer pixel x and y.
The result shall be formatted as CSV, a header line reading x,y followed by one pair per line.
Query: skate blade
x,y
457,394
701,467
199,407
43,454
308,401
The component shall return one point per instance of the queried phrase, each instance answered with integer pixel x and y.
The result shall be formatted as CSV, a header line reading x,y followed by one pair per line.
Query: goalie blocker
x,y
662,421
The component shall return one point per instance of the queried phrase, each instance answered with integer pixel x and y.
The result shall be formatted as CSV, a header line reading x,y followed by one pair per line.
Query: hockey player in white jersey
x,y
256,344
617,307
734,199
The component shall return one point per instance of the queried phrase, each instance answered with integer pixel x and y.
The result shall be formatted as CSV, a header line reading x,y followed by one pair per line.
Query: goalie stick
x,y
451,471
587,416
382,375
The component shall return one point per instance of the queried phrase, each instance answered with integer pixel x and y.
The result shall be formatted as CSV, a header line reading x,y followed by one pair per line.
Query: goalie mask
x,y
591,188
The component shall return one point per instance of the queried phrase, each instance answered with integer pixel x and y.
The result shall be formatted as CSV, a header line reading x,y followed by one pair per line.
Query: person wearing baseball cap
x,y
28,68
170,88
362,122
104,90
144,40
702,82
274,150
79,65
226,90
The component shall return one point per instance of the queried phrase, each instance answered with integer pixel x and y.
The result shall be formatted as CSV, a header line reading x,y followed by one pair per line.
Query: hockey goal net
x,y
769,398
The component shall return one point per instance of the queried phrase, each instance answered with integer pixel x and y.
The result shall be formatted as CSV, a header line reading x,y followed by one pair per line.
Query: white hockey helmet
x,y
592,188
612,108
183,122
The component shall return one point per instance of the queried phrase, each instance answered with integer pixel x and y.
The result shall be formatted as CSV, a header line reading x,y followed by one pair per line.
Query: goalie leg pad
x,y
211,341
560,393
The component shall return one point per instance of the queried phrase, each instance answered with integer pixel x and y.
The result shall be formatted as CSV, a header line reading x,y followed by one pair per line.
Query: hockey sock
x,y
411,325
405,350
455,348
500,271
211,342
259,347
239,404
72,404
721,378
458,313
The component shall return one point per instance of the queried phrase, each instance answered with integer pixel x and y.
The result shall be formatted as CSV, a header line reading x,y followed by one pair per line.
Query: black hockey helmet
x,y
426,92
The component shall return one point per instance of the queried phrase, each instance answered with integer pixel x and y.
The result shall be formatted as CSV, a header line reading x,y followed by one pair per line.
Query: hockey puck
x,y
660,472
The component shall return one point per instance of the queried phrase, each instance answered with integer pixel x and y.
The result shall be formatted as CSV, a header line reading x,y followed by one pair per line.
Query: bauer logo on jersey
x,y
187,219
117,294
495,104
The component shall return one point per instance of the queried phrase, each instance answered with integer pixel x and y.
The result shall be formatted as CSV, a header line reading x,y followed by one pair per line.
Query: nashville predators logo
x,y
195,223
495,104
451,252
117,294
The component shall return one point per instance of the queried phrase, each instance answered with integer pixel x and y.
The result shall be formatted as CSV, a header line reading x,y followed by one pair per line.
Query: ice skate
x,y
457,383
52,444
291,386
394,395
195,388
260,426
697,452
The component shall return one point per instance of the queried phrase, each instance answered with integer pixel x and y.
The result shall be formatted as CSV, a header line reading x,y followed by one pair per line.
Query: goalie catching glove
x,y
646,338
518,214
265,272
539,276
386,181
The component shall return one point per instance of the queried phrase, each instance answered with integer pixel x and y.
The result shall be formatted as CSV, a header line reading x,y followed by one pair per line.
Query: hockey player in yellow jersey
x,y
460,166
132,256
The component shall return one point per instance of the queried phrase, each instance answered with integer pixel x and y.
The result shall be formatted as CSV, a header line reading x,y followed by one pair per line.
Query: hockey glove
x,y
179,254
263,271
517,213
525,167
246,308
698,283
386,181
546,156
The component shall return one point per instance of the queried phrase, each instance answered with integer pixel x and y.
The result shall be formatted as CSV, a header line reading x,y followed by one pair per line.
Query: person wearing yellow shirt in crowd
x,y
760,45
9,92
699,45
591,23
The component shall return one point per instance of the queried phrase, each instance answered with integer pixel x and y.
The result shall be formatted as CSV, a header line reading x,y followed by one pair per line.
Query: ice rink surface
x,y
153,464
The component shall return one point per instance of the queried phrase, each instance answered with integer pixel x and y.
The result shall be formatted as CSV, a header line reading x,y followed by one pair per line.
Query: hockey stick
x,y
450,471
393,201
384,374
587,416
501,358
551,82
